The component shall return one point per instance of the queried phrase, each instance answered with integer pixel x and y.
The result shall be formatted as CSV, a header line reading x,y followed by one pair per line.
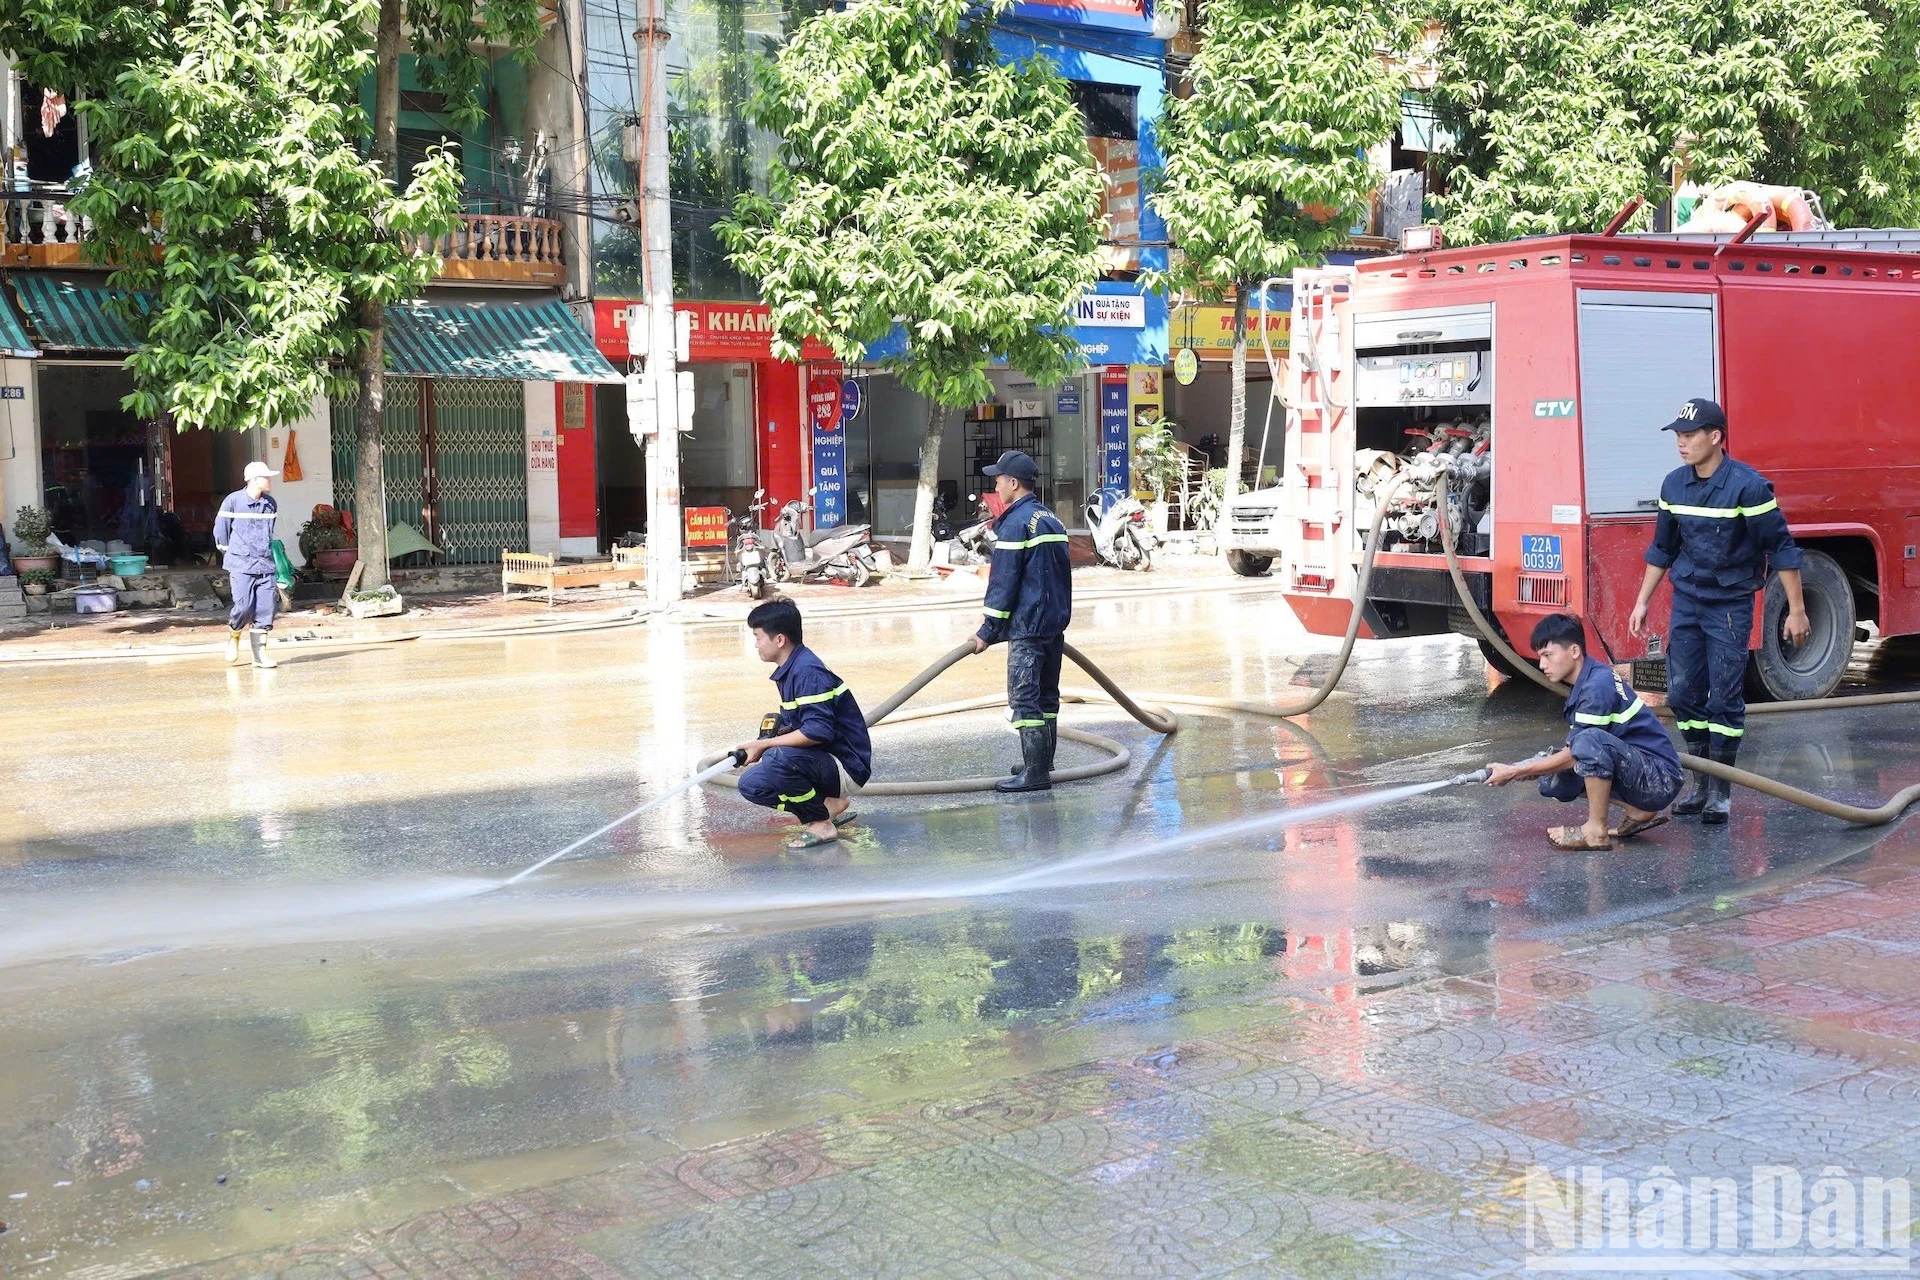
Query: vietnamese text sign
x,y
706,526
1208,331
1113,428
825,408
1111,311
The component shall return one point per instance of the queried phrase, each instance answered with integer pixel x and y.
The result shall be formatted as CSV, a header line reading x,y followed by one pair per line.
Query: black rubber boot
x,y
1720,804
1053,740
1698,744
1037,775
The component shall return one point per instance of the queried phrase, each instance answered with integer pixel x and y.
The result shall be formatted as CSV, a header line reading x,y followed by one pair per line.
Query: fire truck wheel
x,y
1248,565
1813,670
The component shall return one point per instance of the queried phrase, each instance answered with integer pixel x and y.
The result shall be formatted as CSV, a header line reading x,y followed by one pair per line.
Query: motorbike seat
x,y
814,537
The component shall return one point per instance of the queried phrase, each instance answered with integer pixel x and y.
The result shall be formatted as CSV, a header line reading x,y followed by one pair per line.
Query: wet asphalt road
x,y
252,991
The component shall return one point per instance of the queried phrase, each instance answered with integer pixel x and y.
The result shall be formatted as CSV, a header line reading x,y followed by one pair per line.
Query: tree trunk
x,y
370,507
1237,414
920,553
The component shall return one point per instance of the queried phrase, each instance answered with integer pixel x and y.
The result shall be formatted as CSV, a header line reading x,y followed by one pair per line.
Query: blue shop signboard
x,y
1113,430
824,407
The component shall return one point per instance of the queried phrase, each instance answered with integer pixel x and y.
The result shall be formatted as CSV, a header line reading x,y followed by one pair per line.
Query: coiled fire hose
x,y
1895,805
1149,710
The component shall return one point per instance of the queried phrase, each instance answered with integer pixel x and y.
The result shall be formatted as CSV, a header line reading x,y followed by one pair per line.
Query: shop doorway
x,y
101,466
621,467
454,463
719,466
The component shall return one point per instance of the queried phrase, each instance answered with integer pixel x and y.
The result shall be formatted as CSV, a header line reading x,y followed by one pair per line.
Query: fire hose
x,y
1149,709
1895,805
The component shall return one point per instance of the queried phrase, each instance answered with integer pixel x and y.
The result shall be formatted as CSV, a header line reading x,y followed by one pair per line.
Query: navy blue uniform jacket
x,y
244,531
1030,586
1599,699
1717,537
818,703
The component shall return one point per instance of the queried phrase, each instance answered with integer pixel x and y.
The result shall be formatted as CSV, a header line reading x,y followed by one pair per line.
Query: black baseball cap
x,y
1016,464
1698,414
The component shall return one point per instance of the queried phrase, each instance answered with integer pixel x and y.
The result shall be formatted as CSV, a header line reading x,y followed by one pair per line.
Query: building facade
x,y
482,368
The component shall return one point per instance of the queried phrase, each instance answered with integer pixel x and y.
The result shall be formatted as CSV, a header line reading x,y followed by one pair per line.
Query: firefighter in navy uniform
x,y
1718,533
1029,600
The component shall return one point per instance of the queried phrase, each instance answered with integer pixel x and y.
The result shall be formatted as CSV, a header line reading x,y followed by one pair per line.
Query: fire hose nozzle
x,y
738,756
1471,778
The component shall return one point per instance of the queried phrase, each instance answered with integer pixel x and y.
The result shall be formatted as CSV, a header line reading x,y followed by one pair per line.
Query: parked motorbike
x,y
974,544
942,519
840,554
1120,534
749,557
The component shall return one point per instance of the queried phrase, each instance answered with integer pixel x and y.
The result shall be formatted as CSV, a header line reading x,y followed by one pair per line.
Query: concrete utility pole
x,y
658,423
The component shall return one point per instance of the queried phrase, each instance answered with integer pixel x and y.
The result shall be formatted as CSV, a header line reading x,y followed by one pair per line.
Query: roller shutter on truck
x,y
1642,356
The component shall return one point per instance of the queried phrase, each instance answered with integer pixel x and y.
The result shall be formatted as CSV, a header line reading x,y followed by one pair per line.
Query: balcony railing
x,y
502,247
41,232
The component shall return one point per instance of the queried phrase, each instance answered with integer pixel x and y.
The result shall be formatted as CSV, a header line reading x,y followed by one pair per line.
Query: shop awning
x,y
454,335
13,335
446,335
70,313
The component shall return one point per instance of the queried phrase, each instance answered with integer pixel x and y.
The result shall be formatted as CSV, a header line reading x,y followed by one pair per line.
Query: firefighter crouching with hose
x,y
1029,602
1718,532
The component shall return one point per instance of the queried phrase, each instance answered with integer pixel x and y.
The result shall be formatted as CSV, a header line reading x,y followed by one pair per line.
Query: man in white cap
x,y
243,532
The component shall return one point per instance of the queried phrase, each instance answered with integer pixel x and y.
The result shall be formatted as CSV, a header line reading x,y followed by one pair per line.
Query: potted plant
x,y
31,552
37,582
1160,463
326,542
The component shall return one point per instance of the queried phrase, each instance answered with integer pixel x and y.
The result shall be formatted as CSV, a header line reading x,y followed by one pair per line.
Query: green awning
x,y
493,335
13,336
450,335
70,312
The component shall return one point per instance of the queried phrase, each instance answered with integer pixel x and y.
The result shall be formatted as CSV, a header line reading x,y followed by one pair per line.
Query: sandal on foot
x,y
1631,827
845,818
808,840
1574,840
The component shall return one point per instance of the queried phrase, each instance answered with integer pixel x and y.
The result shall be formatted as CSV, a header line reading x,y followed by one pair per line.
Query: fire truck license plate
x,y
1540,553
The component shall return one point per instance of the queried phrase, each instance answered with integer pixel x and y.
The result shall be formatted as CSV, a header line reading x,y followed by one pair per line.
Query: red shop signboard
x,y
720,331
706,526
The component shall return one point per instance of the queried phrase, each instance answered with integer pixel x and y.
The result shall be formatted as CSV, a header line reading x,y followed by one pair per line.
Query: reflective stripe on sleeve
x,y
1030,542
1618,717
998,613
812,698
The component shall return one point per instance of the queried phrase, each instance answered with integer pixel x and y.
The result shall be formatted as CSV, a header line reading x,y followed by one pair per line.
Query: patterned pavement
x,y
1339,1133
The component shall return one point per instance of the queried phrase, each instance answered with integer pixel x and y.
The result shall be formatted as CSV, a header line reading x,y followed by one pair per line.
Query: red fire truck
x,y
1538,374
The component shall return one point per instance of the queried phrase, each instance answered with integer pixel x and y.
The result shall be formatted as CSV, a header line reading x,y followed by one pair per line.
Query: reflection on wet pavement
x,y
261,1017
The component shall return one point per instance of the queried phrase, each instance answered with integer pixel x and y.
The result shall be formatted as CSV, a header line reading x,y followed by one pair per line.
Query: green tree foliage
x,y
1566,109
233,186
1265,161
925,183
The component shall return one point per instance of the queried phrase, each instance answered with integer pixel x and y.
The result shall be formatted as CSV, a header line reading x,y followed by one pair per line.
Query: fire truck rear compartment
x,y
1420,408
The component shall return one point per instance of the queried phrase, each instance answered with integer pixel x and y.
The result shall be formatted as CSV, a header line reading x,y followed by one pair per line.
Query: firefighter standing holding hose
x,y
1719,531
1029,600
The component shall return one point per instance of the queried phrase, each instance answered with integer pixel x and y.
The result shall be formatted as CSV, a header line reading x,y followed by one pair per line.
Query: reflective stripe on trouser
x,y
1707,666
795,780
1033,680
1640,778
255,596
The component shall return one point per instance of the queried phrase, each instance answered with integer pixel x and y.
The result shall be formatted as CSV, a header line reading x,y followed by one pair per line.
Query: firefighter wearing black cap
x,y
1718,533
1029,600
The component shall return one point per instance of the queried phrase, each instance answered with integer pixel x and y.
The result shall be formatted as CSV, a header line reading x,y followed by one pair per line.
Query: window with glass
x,y
715,151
